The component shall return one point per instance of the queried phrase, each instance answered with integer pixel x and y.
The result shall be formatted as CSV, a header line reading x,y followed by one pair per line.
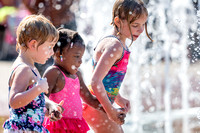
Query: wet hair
x,y
67,38
124,9
35,27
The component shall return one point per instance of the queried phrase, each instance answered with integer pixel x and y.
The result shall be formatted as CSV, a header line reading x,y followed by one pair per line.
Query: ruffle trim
x,y
65,125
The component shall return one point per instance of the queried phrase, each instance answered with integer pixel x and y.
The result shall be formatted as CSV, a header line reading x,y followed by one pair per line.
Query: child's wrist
x,y
109,110
38,89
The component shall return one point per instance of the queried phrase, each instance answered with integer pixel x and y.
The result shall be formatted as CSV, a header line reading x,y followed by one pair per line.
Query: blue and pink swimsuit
x,y
112,81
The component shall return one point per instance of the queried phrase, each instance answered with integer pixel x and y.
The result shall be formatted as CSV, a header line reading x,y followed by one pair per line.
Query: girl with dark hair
x,y
110,62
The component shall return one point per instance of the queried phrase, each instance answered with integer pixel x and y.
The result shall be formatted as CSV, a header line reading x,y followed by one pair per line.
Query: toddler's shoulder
x,y
22,69
52,71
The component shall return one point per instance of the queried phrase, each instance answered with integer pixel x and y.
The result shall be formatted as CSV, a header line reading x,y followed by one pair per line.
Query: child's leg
x,y
99,121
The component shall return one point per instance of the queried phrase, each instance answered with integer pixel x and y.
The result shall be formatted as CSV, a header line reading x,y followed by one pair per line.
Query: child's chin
x,y
74,72
42,62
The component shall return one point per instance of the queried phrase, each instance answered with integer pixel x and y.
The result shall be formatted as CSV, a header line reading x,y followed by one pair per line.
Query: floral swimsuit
x,y
29,117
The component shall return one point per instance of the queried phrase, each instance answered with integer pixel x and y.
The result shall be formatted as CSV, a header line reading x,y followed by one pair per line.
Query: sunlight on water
x,y
163,77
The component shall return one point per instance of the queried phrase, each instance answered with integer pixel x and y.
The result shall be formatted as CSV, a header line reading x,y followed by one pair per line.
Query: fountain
x,y
162,83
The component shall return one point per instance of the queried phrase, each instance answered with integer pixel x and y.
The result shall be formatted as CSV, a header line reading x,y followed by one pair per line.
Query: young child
x,y
110,62
36,37
66,83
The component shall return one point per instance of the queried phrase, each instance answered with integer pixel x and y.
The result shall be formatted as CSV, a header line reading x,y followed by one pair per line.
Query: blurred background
x,y
163,78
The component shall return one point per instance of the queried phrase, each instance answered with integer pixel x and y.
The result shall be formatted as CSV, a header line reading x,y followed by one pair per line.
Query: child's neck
x,y
25,58
64,71
115,33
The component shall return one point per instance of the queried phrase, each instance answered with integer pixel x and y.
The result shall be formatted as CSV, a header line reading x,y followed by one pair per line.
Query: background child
x,y
110,62
36,37
66,83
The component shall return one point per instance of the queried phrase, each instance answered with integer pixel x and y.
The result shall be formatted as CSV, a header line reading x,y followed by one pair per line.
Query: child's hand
x,y
117,115
123,103
122,116
55,111
42,85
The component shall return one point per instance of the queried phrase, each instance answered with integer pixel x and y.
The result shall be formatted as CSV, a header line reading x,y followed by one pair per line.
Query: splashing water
x,y
162,83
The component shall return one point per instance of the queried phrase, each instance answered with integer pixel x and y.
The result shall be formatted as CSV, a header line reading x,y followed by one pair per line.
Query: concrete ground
x,y
5,67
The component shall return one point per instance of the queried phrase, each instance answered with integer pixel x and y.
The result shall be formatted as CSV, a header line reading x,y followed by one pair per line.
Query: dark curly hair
x,y
66,38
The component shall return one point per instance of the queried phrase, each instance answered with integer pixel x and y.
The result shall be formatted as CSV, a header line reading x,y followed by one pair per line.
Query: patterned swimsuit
x,y
29,117
112,81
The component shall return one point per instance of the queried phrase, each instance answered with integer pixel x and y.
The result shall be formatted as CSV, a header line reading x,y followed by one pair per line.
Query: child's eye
x,y
134,25
76,56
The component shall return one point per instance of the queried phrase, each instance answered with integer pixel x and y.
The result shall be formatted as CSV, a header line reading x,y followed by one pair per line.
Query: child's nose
x,y
141,29
80,61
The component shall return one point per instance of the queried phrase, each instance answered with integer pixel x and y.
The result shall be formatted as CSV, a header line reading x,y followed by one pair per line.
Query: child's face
x,y
72,58
45,51
136,27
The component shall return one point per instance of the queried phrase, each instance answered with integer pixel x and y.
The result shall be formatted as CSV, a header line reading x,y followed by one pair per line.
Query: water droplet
x,y
75,113
79,125
58,44
73,67
58,7
39,89
41,5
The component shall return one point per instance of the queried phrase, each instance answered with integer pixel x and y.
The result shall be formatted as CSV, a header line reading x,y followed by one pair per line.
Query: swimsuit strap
x,y
62,71
113,37
94,62
34,72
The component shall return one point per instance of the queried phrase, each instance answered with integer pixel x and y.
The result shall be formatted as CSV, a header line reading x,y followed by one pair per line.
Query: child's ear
x,y
117,21
32,45
57,53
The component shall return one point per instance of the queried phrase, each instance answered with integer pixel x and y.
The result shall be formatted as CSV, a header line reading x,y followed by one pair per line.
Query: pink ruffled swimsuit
x,y
72,120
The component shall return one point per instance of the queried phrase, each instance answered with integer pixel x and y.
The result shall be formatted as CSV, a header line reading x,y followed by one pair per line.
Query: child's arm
x,y
20,80
109,56
86,96
54,110
52,78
